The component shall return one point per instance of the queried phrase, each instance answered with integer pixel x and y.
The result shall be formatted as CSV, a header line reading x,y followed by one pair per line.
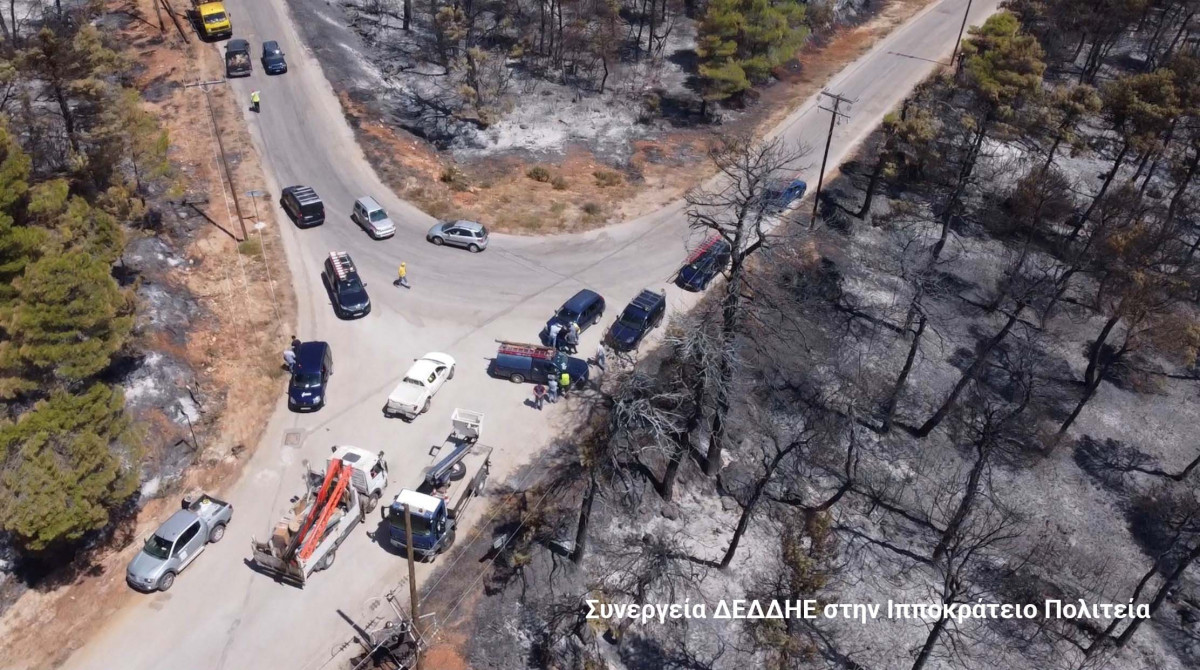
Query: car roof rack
x,y
646,299
703,248
342,265
530,350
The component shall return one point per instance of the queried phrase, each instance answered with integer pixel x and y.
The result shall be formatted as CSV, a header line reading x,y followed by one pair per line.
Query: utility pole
x,y
834,113
212,114
961,29
412,583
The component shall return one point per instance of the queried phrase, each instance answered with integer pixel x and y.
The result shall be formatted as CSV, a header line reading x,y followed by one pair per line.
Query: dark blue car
x,y
584,308
643,314
310,374
709,260
781,194
272,58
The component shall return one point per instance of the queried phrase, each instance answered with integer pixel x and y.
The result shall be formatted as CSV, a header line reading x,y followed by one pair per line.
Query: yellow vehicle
x,y
213,21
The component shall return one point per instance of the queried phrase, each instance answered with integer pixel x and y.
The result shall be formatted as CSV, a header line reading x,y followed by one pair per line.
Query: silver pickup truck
x,y
178,542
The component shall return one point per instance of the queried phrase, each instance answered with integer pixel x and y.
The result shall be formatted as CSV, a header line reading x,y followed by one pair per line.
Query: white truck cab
x,y
369,472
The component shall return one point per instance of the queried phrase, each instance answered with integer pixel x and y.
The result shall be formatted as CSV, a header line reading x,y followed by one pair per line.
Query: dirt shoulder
x,y
579,191
244,315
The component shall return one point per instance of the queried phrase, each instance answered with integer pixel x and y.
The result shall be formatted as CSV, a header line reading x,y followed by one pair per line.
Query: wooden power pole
x,y
834,113
414,599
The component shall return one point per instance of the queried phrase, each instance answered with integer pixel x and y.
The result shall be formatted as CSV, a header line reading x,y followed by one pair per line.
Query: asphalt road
x,y
222,614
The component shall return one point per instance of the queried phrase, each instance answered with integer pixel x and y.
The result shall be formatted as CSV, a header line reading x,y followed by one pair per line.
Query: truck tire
x,y
371,503
217,532
449,541
166,581
457,472
326,561
516,378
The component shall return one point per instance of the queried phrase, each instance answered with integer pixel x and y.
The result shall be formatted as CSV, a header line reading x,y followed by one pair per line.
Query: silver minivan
x,y
466,234
373,218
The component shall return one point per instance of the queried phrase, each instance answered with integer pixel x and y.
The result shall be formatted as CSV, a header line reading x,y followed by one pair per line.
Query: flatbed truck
x,y
445,491
307,538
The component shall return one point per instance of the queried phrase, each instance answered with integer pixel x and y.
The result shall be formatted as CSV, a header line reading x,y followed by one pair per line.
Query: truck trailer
x,y
306,539
445,490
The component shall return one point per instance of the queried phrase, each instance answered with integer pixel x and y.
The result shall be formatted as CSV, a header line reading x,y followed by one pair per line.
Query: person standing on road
x,y
295,343
539,394
600,356
564,382
573,339
254,100
552,389
289,359
402,276
552,335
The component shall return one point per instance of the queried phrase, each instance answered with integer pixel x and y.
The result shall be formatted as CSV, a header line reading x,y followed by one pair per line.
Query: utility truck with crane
x,y
444,493
306,539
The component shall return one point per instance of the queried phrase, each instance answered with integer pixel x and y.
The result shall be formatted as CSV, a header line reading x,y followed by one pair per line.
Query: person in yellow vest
x,y
254,100
402,276
564,382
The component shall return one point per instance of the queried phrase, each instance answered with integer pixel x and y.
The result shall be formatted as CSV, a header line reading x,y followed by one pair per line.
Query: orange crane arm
x,y
322,494
331,503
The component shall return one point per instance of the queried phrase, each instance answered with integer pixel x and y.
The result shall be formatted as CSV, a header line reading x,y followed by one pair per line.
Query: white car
x,y
414,393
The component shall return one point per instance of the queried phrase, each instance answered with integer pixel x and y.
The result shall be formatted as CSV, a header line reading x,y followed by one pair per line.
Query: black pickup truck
x,y
237,58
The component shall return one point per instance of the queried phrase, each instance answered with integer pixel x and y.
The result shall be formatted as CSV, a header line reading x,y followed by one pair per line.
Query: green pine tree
x,y
741,41
65,467
71,318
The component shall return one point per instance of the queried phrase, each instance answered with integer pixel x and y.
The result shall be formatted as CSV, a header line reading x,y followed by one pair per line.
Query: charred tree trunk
x,y
748,509
1108,180
872,184
585,519
960,187
931,641
683,440
971,373
982,457
890,412
1167,585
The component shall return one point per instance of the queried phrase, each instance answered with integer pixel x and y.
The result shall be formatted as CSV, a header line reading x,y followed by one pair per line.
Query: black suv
x,y
584,308
304,206
310,374
642,315
348,291
706,262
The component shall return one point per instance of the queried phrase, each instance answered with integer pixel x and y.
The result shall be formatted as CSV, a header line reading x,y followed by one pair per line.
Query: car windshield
x,y
560,361
633,317
566,316
306,380
351,284
378,215
420,525
157,547
215,18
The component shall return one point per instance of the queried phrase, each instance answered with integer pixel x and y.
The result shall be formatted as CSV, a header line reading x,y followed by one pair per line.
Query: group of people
x,y
289,354
561,383
565,337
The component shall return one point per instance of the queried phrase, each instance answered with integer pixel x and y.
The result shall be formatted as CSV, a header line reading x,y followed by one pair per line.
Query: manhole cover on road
x,y
292,438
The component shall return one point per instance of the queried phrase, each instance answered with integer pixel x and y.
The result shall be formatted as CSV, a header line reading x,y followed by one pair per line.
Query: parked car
x,y
415,392
237,58
272,58
520,363
705,263
466,234
373,218
310,375
178,542
782,193
643,314
349,293
584,308
304,206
